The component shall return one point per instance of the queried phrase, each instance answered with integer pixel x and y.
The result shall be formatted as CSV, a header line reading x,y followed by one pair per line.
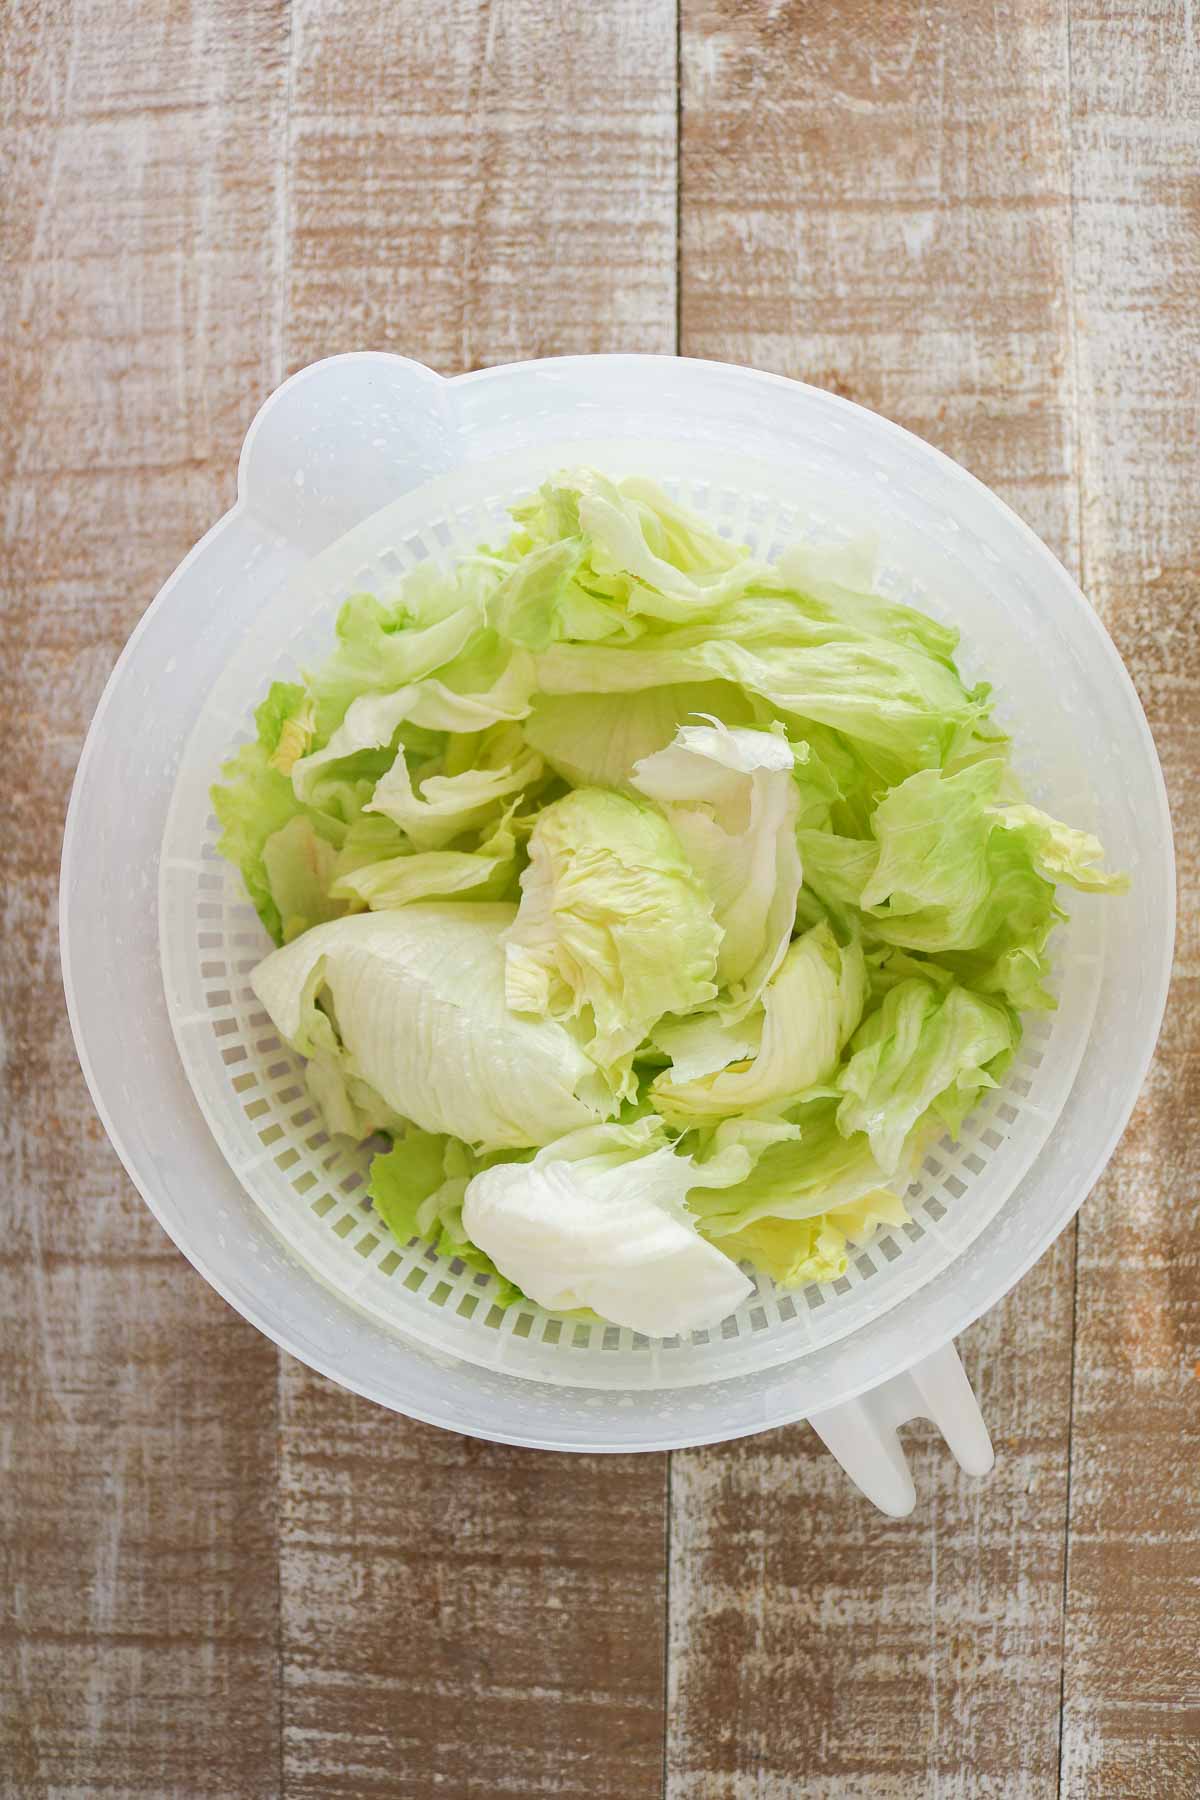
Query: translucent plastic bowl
x,y
410,465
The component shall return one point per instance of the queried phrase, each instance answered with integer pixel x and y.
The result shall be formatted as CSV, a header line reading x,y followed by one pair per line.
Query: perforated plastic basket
x,y
770,462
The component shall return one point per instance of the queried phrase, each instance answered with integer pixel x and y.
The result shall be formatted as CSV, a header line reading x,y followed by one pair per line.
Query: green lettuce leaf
x,y
417,1190
599,1220
488,872
254,803
416,1002
909,708
811,1007
926,1049
732,801
613,923
445,805
813,1169
795,1252
594,740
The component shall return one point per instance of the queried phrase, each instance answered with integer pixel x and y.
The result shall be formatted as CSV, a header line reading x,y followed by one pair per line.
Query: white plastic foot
x,y
861,1433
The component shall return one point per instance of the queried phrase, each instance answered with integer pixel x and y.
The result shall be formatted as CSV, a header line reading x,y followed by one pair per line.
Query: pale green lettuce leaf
x,y
594,740
910,708
445,806
417,1190
1059,852
489,685
299,869
416,999
731,800
811,1007
837,583
676,567
382,648
527,607
254,802
950,871
795,1252
345,1098
706,1042
612,923
813,1169
932,887
486,873
925,1048
599,1220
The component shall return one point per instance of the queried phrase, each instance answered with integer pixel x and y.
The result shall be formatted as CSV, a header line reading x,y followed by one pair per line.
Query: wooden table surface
x,y
222,1575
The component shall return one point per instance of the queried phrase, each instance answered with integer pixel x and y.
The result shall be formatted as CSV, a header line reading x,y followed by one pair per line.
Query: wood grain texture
x,y
220,1574
477,183
878,200
138,1649
1132,1677
464,1618
470,184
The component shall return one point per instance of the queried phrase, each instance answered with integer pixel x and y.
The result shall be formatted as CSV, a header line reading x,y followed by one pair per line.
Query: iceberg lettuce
x,y
415,1008
659,903
599,1220
614,925
732,802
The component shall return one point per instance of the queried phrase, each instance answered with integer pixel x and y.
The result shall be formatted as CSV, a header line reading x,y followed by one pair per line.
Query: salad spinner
x,y
355,470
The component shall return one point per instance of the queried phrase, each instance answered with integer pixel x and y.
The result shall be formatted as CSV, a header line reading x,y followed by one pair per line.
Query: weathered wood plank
x,y
461,1617
879,203
137,1528
468,185
1132,1677
474,184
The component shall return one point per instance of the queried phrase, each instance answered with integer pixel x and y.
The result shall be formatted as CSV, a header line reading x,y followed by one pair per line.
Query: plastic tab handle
x,y
861,1434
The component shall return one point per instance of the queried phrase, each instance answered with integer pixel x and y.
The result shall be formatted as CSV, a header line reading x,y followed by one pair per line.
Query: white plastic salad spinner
x,y
356,469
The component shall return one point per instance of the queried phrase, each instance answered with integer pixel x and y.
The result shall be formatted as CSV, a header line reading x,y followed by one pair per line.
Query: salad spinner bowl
x,y
359,468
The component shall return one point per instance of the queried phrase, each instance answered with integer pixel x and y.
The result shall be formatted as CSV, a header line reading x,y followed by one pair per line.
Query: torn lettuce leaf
x,y
612,828
614,926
